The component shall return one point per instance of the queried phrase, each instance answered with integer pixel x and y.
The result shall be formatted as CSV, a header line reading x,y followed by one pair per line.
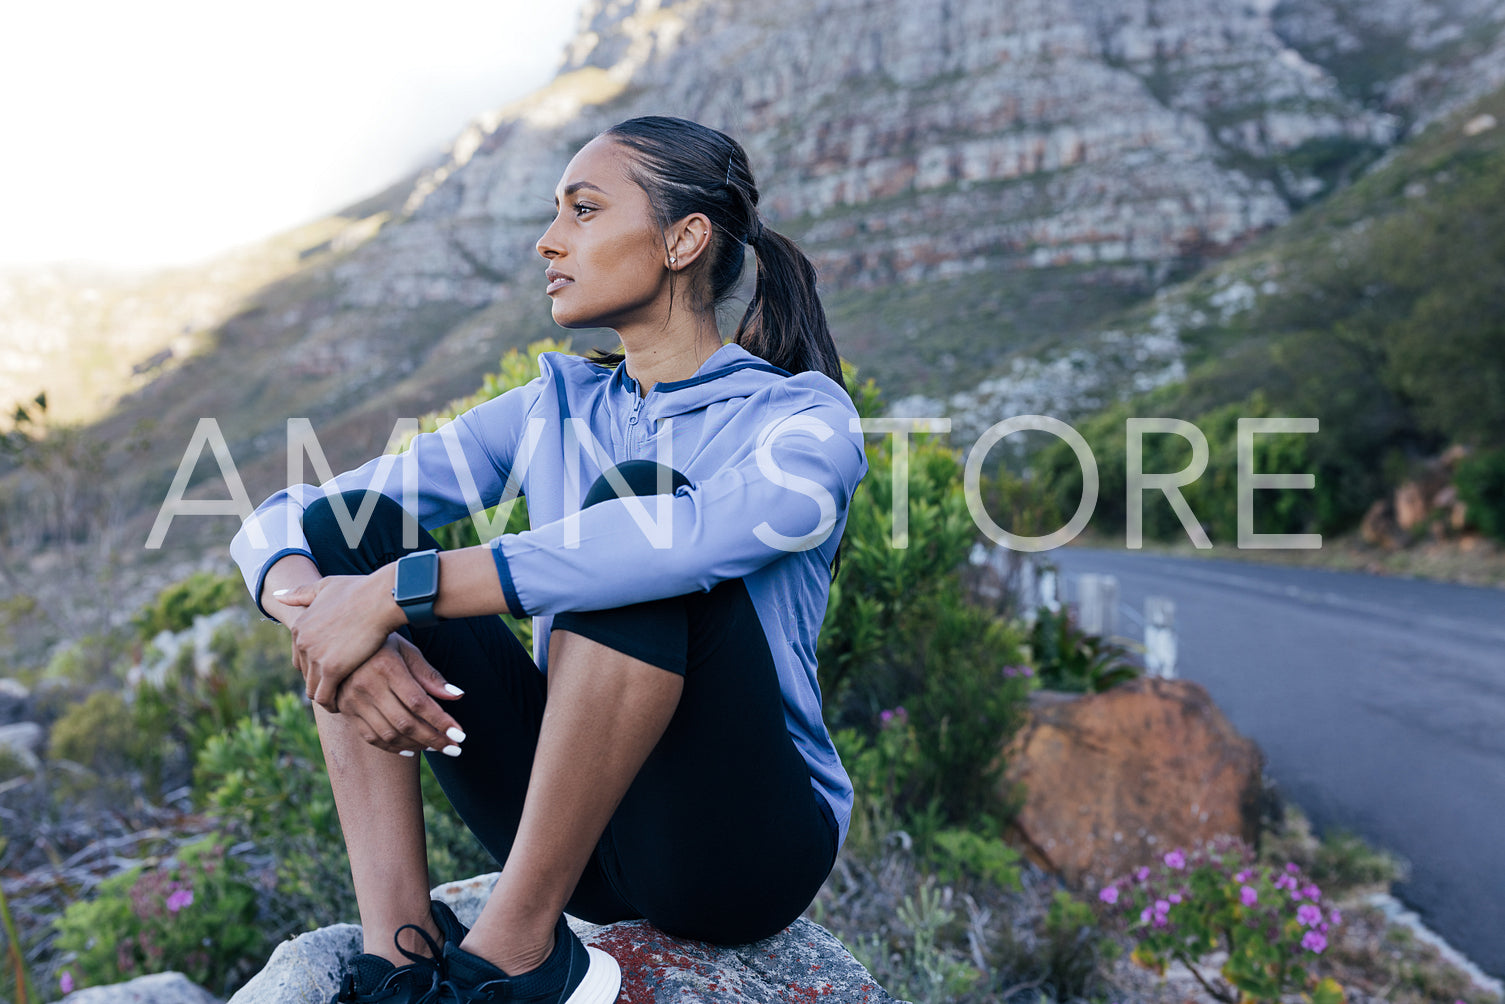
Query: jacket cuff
x,y
504,573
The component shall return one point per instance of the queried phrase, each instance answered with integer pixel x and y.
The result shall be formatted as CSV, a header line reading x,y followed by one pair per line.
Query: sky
x,y
147,133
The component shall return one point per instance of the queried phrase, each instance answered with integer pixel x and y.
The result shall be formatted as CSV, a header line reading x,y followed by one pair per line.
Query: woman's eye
x,y
582,208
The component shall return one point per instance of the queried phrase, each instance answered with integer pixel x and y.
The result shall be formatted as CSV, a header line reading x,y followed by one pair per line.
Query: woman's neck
x,y
669,355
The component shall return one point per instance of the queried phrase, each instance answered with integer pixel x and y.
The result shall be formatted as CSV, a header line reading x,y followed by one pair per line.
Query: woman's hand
x,y
391,698
346,619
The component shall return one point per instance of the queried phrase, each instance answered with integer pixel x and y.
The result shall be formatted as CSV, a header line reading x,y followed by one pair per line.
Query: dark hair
x,y
686,168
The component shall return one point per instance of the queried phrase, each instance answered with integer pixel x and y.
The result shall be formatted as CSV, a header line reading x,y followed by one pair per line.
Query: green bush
x,y
175,607
194,913
1481,485
250,666
253,774
101,735
1069,659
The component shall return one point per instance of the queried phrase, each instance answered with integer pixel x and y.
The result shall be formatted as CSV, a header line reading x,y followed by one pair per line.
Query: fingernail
x,y
406,753
456,735
280,592
453,689
451,751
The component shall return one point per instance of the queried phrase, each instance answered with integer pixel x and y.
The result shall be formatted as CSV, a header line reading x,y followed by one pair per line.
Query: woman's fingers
x,y
298,596
394,711
429,678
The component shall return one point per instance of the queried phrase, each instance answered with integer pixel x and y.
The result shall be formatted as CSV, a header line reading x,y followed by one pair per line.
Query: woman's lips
x,y
557,281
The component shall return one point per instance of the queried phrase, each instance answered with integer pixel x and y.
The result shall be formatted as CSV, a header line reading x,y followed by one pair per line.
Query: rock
x,y
1377,528
21,742
1410,505
15,699
307,968
802,961
1113,780
161,988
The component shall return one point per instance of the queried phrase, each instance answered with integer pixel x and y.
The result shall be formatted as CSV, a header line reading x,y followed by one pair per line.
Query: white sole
x,y
602,980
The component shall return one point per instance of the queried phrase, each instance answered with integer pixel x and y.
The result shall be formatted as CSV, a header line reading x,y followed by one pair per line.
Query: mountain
x,y
992,192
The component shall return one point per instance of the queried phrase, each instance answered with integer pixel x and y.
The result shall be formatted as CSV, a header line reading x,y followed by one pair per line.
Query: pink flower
x,y
1109,895
1248,896
65,982
1309,915
1175,859
1313,941
179,899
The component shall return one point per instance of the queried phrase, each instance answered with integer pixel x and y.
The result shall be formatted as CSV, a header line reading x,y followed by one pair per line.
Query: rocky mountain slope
x,y
985,187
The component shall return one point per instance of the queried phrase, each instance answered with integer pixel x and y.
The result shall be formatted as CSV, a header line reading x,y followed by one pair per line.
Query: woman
x,y
663,755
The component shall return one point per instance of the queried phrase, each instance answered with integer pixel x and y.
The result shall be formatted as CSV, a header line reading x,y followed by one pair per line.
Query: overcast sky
x,y
139,133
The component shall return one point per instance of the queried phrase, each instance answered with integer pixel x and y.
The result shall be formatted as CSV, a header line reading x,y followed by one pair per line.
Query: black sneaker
x,y
371,979
572,974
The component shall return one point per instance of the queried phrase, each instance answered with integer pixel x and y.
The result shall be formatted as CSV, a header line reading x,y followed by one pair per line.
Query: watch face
x,y
417,577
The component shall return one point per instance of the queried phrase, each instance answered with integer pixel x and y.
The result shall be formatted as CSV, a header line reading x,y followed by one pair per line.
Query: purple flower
x,y
1291,868
1248,896
1312,893
178,900
65,982
1285,882
1335,916
1309,915
1142,875
1313,941
1162,907
1244,877
1144,915
1174,897
1109,895
1175,859
885,716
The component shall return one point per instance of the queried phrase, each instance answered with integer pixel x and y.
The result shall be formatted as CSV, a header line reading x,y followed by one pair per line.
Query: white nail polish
x,y
281,592
406,753
456,735
451,751
454,689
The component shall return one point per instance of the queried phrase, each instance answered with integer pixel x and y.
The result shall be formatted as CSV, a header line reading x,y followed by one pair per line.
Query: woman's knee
x,y
360,531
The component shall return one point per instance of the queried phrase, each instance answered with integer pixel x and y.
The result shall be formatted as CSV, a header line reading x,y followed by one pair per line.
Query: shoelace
x,y
435,956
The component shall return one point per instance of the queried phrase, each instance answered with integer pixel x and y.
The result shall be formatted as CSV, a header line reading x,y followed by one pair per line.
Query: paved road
x,y
1379,704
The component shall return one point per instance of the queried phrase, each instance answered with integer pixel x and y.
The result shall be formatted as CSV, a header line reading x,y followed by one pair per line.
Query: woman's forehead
x,y
600,165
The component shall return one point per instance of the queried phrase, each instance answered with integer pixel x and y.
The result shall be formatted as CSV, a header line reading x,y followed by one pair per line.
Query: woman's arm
x,y
341,621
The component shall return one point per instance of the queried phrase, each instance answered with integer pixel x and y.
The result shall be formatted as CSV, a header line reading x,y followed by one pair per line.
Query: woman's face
x,y
607,263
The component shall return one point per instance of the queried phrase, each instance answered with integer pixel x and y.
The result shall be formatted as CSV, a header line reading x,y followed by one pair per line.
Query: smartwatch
x,y
418,587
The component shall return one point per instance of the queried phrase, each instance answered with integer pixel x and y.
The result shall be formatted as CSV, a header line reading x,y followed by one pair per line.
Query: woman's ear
x,y
688,239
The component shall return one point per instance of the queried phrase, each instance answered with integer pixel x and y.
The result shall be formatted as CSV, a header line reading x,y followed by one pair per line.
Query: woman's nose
x,y
547,245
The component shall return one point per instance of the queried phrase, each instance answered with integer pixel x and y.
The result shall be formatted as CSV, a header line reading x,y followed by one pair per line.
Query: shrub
x,y
1271,921
194,913
1481,486
176,606
101,735
1069,659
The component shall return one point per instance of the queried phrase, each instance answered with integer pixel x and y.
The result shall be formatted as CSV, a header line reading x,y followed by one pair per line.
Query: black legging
x,y
720,837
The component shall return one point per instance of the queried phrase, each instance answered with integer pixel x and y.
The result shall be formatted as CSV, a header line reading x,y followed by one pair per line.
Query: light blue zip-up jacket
x,y
772,460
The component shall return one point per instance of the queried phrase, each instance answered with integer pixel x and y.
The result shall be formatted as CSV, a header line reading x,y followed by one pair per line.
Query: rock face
x,y
161,988
1116,779
803,962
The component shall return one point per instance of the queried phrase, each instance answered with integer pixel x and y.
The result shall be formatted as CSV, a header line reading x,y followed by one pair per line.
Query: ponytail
x,y
785,322
686,168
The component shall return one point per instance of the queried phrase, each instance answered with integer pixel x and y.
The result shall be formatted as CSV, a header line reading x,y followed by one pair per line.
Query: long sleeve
x,y
461,469
785,490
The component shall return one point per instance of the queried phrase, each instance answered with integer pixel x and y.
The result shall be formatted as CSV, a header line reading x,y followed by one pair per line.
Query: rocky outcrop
x,y
1116,779
160,988
803,962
